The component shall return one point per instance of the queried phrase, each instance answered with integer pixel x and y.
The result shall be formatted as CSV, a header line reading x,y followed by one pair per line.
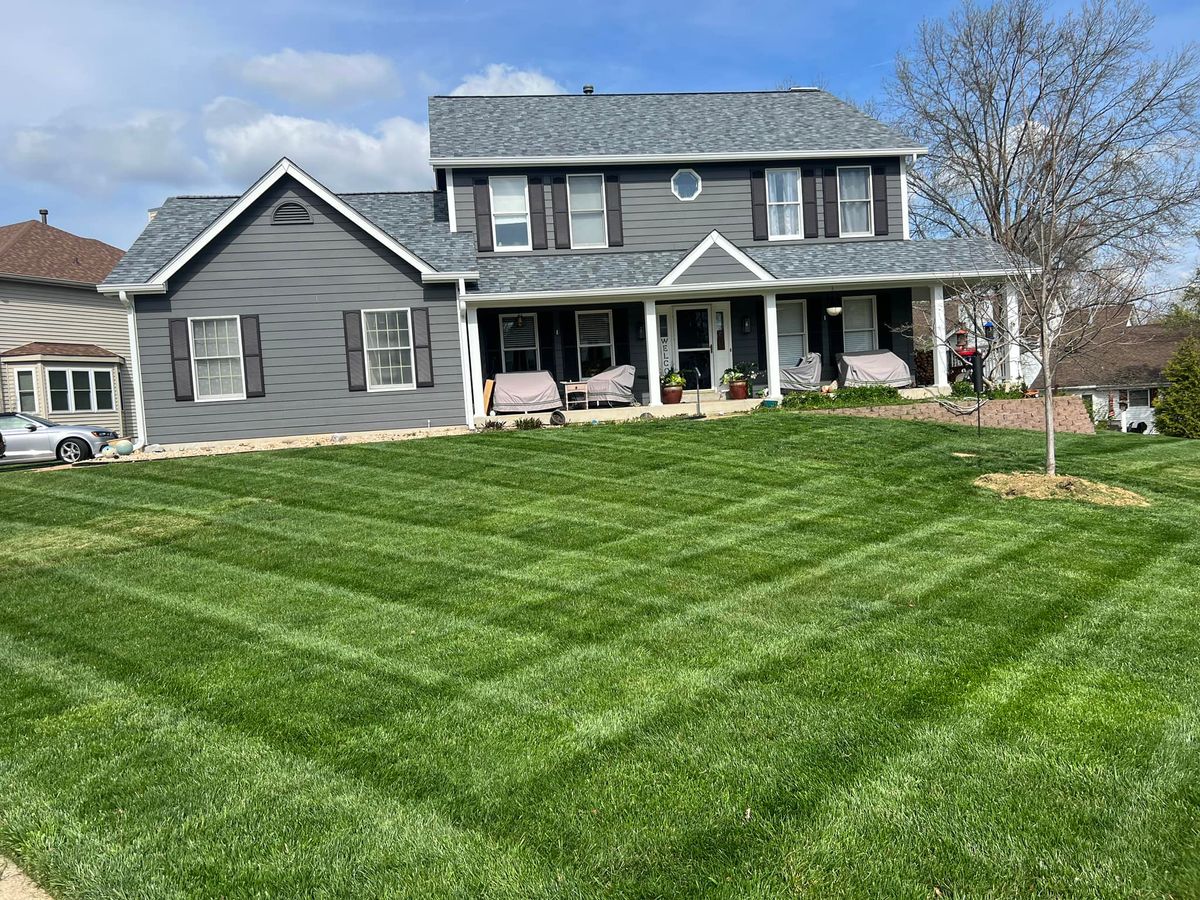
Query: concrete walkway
x,y
16,885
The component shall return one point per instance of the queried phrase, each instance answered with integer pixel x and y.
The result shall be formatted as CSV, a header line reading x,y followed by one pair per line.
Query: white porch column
x,y
1012,328
771,317
937,304
652,352
476,358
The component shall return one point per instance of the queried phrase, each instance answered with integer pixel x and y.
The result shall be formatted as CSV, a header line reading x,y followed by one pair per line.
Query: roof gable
x,y
715,259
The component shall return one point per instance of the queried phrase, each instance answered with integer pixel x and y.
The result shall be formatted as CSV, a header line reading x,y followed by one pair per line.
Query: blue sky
x,y
113,106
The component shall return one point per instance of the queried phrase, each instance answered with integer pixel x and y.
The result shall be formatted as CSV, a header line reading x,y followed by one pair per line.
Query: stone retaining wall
x,y
1070,415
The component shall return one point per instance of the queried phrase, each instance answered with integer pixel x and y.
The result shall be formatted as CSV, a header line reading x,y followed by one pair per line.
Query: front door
x,y
693,338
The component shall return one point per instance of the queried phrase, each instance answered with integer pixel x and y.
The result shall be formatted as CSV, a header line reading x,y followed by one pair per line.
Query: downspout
x,y
135,359
460,302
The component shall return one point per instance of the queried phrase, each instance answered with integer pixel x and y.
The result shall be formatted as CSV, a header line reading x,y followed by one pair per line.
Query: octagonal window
x,y
686,184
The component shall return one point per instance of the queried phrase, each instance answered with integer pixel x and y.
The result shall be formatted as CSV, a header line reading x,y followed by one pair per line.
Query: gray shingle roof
x,y
417,220
520,273
679,125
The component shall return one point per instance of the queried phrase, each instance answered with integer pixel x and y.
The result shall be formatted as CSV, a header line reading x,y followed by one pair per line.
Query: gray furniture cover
x,y
525,392
804,376
613,385
867,367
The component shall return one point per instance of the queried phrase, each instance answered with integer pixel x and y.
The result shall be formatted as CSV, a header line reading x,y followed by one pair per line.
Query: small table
x,y
575,388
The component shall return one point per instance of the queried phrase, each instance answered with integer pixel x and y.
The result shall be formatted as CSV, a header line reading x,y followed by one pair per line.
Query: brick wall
x,y
1070,415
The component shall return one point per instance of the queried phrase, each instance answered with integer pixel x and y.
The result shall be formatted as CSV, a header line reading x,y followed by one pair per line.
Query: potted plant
x,y
672,386
738,379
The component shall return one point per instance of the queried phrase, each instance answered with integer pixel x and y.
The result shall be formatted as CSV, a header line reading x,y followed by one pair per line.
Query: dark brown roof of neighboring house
x,y
58,348
1133,355
35,250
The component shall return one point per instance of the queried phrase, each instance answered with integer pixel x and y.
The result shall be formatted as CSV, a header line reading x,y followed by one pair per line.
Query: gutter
x,y
135,359
490,162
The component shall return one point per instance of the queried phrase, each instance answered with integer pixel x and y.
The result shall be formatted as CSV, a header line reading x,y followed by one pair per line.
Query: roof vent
x,y
45,214
798,88
291,213
589,89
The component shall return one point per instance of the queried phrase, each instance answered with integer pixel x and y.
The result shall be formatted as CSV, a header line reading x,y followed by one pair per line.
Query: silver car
x,y
29,438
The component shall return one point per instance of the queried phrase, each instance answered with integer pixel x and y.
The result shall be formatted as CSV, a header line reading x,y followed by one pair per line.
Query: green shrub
x,y
873,395
528,423
493,425
1177,409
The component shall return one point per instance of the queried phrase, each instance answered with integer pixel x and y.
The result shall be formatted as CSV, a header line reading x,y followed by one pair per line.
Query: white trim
x,y
135,360
473,162
464,359
771,319
1012,327
715,239
449,277
139,288
223,398
904,163
653,351
537,341
571,212
799,204
612,338
937,303
99,361
412,351
874,319
870,201
111,371
699,184
450,200
475,356
16,380
528,245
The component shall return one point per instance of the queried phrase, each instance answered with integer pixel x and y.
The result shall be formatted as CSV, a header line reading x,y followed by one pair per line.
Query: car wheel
x,y
72,450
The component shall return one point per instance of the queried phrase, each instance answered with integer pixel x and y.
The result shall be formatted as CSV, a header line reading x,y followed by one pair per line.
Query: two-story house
x,y
566,234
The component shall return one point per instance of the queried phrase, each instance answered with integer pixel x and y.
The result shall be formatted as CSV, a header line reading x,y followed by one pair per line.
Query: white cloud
x,y
499,78
323,79
245,141
149,147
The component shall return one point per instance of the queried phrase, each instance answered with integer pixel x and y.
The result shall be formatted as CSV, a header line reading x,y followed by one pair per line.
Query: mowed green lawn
x,y
768,656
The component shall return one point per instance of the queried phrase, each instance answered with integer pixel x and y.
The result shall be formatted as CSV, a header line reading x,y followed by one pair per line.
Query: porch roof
x,y
796,264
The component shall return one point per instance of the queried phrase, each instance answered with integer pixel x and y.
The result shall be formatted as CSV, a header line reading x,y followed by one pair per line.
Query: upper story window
x,y
217,369
783,204
387,339
854,200
510,212
585,200
686,184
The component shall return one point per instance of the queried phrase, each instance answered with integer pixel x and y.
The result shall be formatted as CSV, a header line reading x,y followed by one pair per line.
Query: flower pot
x,y
672,393
738,390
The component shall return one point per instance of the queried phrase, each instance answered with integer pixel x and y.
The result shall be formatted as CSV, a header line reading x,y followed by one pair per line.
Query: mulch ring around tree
x,y
1033,486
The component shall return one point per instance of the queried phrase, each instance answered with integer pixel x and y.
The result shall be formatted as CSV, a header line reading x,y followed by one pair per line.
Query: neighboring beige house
x,y
64,348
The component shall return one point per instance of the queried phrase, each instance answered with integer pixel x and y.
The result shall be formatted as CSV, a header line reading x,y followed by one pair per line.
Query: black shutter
x,y
831,202
758,203
181,359
562,217
356,366
537,214
879,195
612,203
808,198
252,357
483,216
422,351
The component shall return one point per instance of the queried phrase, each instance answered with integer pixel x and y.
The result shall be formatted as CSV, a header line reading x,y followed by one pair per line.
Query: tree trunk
x,y
1048,408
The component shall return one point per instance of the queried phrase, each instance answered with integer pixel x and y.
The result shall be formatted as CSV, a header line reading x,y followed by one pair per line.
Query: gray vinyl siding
x,y
654,219
298,279
714,265
49,312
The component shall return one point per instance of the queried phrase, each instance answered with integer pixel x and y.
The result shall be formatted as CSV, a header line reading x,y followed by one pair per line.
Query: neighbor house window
x,y
26,391
1138,396
854,200
519,343
585,202
595,332
387,339
510,212
793,331
217,369
858,324
80,390
783,203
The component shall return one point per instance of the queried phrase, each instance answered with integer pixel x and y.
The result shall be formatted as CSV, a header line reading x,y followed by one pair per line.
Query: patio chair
x,y
804,376
525,392
613,385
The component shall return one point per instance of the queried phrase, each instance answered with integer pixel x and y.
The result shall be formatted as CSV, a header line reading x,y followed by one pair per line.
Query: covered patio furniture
x,y
804,376
871,367
525,392
613,385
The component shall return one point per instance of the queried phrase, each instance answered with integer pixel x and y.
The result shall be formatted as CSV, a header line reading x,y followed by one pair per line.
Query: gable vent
x,y
291,213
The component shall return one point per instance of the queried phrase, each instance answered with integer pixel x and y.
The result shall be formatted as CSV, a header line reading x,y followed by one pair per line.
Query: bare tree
x,y
1064,140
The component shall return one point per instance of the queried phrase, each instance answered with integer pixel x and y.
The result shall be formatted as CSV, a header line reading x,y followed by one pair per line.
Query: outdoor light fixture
x,y
989,331
520,321
745,324
833,310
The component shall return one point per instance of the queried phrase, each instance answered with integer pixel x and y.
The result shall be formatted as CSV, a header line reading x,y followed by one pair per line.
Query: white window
x,y
793,331
686,184
595,332
854,201
859,330
585,203
510,212
26,391
783,204
217,368
80,390
387,340
519,346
